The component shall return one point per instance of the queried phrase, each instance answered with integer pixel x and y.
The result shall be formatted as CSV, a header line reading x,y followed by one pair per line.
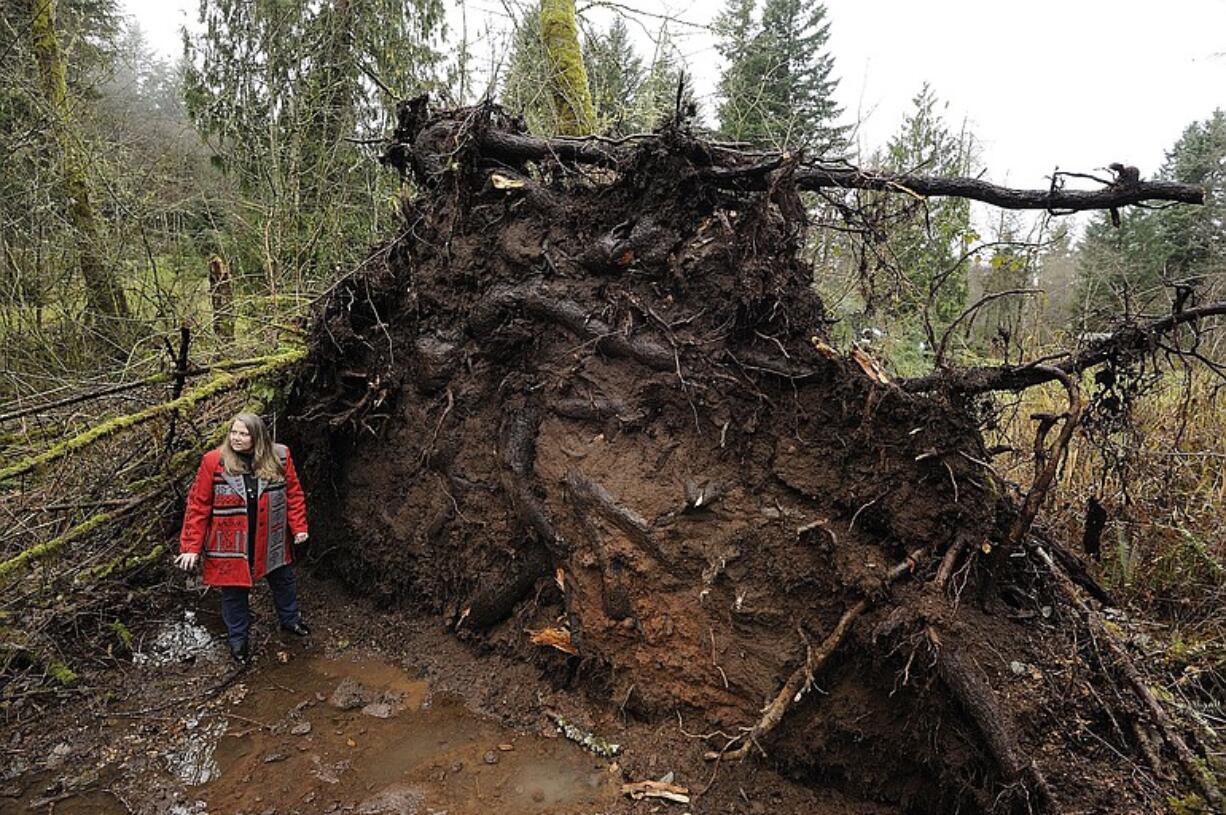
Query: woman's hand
x,y
187,561
300,538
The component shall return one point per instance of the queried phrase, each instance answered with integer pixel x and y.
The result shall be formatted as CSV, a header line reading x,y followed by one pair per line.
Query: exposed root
x,y
977,699
802,678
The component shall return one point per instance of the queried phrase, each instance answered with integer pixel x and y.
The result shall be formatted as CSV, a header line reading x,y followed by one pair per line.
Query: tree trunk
x,y
221,292
568,86
104,295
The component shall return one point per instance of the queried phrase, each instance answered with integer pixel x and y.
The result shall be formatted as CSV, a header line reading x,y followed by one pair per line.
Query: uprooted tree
x,y
586,408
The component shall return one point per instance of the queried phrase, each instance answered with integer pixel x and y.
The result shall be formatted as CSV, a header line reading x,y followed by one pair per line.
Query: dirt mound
x,y
593,406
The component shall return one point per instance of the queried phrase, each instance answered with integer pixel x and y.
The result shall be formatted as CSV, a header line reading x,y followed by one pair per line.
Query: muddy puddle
x,y
337,735
307,733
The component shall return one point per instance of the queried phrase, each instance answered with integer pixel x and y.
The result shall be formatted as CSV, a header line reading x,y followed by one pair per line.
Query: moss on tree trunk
x,y
568,86
103,292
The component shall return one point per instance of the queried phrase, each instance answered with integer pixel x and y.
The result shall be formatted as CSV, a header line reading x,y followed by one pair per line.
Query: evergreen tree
x,y
656,97
1130,268
615,73
525,89
926,242
778,86
277,89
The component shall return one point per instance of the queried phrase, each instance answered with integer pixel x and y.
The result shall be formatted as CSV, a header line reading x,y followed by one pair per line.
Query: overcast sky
x,y
1074,83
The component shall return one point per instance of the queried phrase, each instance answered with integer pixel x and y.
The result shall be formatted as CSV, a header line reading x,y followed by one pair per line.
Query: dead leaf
x,y
560,578
554,637
824,349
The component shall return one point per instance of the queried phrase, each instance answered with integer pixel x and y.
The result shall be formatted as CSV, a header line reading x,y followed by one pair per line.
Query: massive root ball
x,y
588,412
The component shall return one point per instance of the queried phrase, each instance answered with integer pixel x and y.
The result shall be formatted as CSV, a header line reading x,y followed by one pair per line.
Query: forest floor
x,y
379,711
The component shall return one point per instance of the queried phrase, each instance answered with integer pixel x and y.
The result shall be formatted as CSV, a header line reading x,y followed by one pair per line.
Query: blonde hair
x,y
264,459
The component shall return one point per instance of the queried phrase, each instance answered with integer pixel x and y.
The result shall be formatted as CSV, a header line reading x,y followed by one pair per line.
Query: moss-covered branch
x,y
17,563
213,387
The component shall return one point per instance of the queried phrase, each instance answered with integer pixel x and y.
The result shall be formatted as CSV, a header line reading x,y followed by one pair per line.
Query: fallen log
x,y
209,389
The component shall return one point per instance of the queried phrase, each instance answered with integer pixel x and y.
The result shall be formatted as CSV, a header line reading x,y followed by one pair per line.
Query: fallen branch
x,y
17,563
212,388
733,169
155,379
1133,339
1196,768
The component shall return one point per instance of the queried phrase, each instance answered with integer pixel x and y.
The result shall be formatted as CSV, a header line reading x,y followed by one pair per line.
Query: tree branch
x,y
731,169
1131,339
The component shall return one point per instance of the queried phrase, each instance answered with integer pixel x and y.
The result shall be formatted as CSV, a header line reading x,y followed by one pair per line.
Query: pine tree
x,y
525,88
928,241
656,97
615,73
778,87
277,90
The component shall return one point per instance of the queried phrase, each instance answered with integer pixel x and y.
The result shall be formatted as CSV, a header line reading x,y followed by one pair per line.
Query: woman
x,y
244,506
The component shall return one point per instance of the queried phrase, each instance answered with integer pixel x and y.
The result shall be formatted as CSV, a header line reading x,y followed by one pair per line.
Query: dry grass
x,y
1162,479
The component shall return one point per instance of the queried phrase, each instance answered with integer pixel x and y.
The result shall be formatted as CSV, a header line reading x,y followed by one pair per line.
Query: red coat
x,y
215,522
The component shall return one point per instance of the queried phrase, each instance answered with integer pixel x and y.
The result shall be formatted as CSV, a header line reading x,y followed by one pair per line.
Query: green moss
x,y
1191,804
124,635
572,96
217,385
61,673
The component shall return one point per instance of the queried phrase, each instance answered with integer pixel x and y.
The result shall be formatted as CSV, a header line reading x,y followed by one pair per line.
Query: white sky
x,y
1074,83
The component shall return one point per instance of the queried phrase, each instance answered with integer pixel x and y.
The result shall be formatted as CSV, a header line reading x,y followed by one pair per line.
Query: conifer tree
x,y
1130,267
778,85
615,73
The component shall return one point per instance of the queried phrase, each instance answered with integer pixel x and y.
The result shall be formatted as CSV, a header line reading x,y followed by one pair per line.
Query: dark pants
x,y
236,613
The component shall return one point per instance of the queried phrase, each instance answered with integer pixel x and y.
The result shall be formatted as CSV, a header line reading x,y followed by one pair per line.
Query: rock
x,y
398,799
380,710
506,748
490,757
301,729
667,778
273,758
456,766
434,361
1018,668
349,695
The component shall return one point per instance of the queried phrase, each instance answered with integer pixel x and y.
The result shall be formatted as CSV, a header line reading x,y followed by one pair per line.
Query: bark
x,y
103,292
221,293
